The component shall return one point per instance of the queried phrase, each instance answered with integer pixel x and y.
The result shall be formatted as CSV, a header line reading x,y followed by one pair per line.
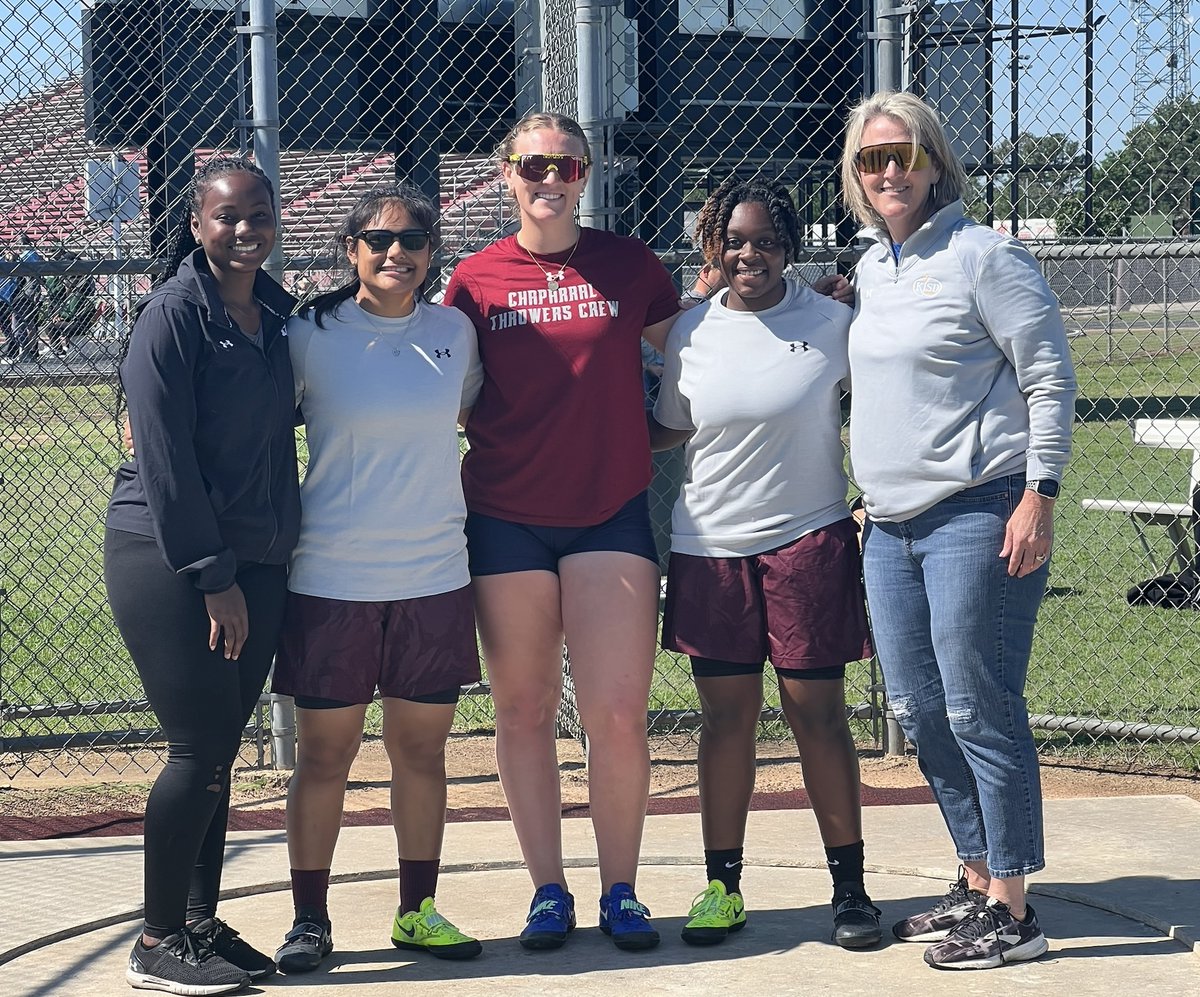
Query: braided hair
x,y
374,202
713,219
183,243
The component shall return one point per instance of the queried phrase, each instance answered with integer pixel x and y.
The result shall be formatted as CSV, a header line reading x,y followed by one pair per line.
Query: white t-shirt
x,y
382,508
761,390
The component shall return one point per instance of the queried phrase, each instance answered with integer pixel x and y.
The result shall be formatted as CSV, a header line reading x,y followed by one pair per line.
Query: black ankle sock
x,y
845,863
725,864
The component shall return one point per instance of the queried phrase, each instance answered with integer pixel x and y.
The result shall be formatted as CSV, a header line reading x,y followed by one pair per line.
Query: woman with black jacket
x,y
199,530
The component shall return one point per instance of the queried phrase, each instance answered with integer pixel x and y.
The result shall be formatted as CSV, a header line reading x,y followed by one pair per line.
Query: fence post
x,y
888,45
527,32
264,90
1166,300
283,732
593,105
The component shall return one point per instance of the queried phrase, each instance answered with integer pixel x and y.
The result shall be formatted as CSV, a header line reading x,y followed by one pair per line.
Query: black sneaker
x,y
855,918
990,938
228,944
936,923
182,964
304,946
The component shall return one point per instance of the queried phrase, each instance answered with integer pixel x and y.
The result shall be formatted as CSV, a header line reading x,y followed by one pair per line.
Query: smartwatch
x,y
1046,487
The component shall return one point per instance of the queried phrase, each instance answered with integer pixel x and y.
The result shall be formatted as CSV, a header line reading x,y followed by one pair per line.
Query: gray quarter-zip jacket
x,y
959,366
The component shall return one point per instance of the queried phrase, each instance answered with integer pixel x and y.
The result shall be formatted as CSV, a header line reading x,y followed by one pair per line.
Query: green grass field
x,y
1094,656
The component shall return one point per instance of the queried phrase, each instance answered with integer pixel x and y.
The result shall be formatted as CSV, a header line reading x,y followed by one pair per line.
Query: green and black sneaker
x,y
427,930
714,914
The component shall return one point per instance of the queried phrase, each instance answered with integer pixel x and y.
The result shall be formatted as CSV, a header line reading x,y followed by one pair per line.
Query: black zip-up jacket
x,y
214,479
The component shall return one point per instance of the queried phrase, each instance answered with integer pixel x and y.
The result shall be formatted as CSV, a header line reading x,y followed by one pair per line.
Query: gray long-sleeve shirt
x,y
960,367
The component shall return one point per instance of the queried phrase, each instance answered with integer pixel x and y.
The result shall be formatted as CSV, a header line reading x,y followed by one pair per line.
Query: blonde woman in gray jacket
x,y
963,397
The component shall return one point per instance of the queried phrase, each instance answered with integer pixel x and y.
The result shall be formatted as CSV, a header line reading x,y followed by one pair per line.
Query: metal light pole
x,y
593,105
264,94
889,45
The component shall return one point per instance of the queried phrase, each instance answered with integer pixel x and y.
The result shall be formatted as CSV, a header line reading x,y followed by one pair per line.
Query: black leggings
x,y
202,702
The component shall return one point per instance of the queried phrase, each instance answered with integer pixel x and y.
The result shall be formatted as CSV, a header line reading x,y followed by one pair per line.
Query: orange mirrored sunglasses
x,y
907,155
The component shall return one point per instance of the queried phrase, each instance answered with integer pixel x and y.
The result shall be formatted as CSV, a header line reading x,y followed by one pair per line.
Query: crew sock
x,y
845,863
725,864
310,894
418,880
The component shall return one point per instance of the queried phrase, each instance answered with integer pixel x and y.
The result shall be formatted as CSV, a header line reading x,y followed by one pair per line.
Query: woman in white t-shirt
x,y
764,554
378,590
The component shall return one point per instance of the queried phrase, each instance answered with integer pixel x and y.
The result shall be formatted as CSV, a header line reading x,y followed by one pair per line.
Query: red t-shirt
x,y
558,435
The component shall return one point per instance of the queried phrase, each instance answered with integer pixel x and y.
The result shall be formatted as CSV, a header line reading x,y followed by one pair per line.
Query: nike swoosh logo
x,y
411,932
833,862
733,865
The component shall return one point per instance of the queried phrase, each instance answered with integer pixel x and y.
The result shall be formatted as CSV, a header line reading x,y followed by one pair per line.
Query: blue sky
x,y
1052,76
40,42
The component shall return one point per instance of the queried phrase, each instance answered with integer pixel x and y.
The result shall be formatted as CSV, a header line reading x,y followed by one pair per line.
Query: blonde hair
x,y
539,121
921,122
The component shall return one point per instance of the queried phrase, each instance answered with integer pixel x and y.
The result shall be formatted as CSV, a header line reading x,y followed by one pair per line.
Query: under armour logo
x,y
441,354
801,346
226,344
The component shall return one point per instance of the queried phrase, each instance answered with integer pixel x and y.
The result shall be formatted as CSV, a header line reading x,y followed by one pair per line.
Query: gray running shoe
x,y
936,923
182,964
989,938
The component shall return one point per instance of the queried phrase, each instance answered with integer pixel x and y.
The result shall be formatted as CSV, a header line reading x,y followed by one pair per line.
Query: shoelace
x,y
435,924
709,902
190,949
958,894
983,920
851,902
545,909
217,929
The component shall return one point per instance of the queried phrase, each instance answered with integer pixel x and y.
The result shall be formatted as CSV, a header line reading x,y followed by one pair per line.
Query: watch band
x,y
1046,487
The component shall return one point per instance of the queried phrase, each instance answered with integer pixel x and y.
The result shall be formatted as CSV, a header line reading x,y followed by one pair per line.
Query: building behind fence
x,y
106,107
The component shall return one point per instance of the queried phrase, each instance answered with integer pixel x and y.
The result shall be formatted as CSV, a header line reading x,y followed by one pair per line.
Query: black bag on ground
x,y
1172,591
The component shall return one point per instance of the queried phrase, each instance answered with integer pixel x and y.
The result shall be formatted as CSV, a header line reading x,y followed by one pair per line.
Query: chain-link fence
x,y
106,107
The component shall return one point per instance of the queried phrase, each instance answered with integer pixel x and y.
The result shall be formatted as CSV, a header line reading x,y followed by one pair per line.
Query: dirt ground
x,y
471,771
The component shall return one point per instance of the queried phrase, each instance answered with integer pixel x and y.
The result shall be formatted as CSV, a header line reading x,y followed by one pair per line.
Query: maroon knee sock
x,y
418,880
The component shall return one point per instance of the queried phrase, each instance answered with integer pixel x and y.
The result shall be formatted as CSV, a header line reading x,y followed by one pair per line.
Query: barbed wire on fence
x,y
105,109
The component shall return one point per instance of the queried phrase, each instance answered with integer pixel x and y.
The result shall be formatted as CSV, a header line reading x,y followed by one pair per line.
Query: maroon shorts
x,y
801,605
337,650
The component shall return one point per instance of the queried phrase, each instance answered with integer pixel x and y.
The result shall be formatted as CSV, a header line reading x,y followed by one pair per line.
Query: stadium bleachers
x,y
44,149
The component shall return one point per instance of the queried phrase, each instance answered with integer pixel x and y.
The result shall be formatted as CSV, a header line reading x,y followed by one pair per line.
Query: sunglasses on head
x,y
379,240
907,155
534,166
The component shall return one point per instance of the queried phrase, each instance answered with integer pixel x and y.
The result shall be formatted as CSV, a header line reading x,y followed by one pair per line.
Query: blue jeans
x,y
953,631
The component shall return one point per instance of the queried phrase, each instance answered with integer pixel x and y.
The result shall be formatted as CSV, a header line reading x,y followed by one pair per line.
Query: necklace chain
x,y
553,279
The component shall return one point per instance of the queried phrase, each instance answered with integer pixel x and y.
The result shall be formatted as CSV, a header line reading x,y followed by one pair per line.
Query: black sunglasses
x,y
379,240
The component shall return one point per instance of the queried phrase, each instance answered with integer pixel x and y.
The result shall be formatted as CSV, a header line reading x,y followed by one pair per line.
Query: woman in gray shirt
x,y
963,396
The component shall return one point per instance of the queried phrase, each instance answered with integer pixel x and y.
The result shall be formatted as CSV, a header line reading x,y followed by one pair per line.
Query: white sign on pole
x,y
113,192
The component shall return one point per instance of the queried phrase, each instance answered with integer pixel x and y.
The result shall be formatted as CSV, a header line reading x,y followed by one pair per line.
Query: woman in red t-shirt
x,y
558,528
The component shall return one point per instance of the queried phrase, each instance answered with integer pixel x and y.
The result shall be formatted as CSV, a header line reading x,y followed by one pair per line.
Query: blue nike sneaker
x,y
551,918
626,920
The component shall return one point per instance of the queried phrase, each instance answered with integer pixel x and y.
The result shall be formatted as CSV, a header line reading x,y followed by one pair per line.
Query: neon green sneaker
x,y
427,930
714,914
